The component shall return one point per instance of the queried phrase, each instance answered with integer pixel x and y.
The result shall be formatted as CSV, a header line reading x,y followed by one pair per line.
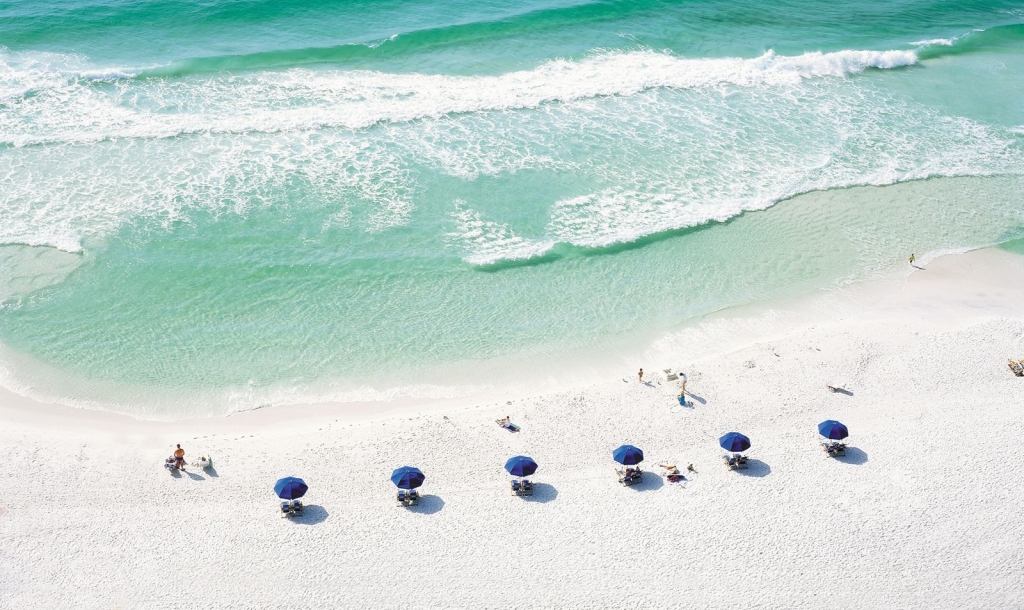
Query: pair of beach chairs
x,y
629,476
407,497
834,449
735,461
291,508
522,488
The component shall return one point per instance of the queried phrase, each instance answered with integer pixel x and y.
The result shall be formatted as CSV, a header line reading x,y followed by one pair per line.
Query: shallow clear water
x,y
214,206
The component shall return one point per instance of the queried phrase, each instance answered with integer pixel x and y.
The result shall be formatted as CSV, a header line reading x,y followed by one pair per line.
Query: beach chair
x,y
834,449
670,376
291,508
522,488
731,462
170,465
408,497
629,476
741,462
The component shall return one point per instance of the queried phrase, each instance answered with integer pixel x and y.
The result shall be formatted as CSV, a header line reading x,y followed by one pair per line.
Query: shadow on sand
x,y
756,468
853,456
697,398
542,492
311,515
429,504
649,481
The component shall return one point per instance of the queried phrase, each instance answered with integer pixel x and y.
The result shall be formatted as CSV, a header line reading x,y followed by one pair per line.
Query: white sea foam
x,y
653,142
488,242
942,42
68,108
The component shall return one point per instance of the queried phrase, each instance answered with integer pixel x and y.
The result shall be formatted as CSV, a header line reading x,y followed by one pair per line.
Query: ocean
x,y
214,206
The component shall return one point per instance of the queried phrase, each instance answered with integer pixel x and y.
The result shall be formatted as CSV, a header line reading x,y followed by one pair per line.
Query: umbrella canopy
x,y
407,477
832,429
521,466
734,441
628,455
290,488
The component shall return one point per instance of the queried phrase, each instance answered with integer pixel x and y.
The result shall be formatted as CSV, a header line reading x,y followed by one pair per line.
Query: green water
x,y
216,206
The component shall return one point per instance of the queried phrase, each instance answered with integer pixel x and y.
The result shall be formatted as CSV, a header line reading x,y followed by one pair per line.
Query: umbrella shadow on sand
x,y
853,456
542,492
429,504
755,468
311,515
649,481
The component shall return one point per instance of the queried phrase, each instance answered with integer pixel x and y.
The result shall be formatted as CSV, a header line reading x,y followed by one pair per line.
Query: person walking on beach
x,y
179,457
640,375
912,259
682,385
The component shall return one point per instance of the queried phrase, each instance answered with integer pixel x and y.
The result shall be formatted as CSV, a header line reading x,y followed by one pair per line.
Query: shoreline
x,y
717,334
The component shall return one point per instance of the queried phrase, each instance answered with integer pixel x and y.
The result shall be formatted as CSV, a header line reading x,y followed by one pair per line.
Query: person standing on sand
x,y
682,384
640,375
179,457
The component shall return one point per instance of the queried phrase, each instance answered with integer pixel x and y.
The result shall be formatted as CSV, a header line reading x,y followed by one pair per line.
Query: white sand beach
x,y
921,513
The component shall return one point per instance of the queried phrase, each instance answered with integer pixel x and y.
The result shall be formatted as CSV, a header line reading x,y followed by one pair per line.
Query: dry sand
x,y
921,513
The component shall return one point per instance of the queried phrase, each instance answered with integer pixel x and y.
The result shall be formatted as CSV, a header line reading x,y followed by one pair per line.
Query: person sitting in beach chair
x,y
1016,367
834,449
735,461
629,476
408,497
171,464
203,462
522,488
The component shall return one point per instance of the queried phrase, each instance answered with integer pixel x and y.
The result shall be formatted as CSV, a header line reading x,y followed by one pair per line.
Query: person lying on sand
x,y
672,473
1016,367
832,388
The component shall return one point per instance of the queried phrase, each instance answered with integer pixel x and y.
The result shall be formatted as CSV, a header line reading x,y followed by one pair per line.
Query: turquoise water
x,y
213,206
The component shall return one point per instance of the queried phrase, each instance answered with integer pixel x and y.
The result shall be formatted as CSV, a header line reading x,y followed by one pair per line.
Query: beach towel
x,y
507,425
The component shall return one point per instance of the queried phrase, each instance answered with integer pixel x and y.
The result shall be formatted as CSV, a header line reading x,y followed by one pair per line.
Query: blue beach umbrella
x,y
628,455
407,477
832,429
290,488
734,441
521,466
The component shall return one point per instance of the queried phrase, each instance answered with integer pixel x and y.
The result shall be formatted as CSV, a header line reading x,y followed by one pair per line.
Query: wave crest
x,y
67,106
